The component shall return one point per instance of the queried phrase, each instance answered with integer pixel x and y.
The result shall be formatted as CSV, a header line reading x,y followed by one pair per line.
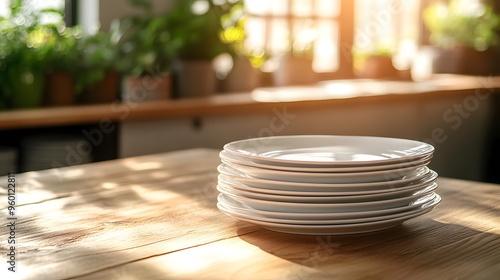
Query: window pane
x,y
255,29
47,4
30,6
257,7
302,8
307,28
4,8
326,50
327,8
279,7
40,5
382,25
278,37
304,34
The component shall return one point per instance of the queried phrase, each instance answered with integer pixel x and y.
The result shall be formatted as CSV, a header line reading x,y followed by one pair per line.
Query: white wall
x,y
460,155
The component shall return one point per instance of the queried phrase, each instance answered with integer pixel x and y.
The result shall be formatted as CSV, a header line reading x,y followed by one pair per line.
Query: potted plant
x,y
295,65
22,59
148,49
196,23
98,75
295,68
465,33
62,71
243,74
376,64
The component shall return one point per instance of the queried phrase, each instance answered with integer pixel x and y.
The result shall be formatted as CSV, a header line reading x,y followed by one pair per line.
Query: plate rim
x,y
309,215
422,188
331,229
230,147
295,185
431,204
226,156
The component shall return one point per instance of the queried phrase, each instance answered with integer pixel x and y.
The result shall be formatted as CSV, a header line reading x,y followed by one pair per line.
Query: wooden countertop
x,y
155,217
325,94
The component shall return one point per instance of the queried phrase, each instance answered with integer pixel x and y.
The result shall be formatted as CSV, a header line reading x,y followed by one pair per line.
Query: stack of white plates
x,y
326,184
8,160
54,151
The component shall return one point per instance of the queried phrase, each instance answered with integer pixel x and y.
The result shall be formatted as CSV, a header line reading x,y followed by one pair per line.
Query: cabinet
x,y
102,146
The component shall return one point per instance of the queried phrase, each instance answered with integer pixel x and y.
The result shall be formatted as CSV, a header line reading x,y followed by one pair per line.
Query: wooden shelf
x,y
263,100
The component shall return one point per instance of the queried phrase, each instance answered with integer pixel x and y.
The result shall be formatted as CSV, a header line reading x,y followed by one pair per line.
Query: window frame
x,y
71,12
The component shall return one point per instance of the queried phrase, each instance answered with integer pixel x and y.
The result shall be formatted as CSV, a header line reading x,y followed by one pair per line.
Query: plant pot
x,y
446,61
26,88
146,88
104,91
59,89
378,67
195,78
473,62
294,71
465,61
242,78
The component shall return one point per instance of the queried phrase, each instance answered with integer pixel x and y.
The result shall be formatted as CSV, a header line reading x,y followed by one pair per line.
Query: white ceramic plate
x,y
293,207
237,206
227,189
333,178
328,150
236,177
336,229
246,215
342,191
229,158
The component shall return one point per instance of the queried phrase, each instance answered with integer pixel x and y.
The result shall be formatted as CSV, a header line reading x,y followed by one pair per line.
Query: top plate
x,y
329,150
229,158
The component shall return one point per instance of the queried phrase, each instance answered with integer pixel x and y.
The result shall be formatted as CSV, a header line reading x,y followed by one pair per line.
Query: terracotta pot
x,y
105,91
378,67
473,62
59,89
465,61
294,71
242,78
146,88
195,78
446,61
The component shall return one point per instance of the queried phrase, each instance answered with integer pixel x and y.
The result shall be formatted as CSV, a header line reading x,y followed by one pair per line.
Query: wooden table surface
x,y
155,217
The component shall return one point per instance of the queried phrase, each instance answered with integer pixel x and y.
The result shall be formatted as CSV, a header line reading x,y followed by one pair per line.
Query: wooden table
x,y
155,217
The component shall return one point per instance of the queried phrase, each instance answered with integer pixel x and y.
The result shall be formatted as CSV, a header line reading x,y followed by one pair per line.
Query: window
x,y
387,26
36,5
277,27
333,29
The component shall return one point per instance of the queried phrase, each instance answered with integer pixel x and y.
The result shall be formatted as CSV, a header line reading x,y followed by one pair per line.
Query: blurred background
x,y
67,53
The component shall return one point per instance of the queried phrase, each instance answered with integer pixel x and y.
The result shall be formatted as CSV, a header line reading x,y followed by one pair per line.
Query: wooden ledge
x,y
326,94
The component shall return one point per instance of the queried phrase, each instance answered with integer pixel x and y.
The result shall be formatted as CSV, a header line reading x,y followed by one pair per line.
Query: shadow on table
x,y
418,246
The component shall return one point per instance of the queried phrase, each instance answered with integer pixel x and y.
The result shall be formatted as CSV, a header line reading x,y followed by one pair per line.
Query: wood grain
x,y
154,217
